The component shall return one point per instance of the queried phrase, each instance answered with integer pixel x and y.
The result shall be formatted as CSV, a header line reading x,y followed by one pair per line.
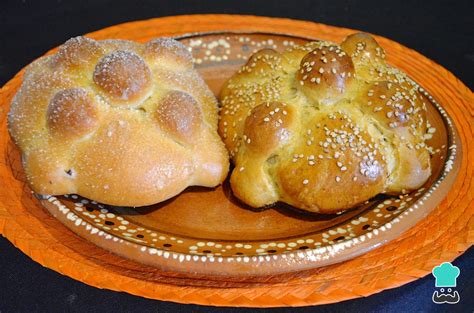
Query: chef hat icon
x,y
446,275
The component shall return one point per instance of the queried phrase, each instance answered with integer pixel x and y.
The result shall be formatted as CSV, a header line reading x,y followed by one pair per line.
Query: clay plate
x,y
207,231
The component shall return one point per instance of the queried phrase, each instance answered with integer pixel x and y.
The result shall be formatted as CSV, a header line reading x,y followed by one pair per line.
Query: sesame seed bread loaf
x,y
323,127
118,122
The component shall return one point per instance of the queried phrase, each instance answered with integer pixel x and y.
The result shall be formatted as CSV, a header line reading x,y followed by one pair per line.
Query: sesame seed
x,y
338,179
305,182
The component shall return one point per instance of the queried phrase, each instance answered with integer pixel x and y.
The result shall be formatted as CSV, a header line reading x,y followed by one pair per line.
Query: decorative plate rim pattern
x,y
319,256
406,259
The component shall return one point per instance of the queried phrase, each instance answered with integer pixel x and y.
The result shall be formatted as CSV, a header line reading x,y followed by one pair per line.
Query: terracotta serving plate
x,y
205,247
208,231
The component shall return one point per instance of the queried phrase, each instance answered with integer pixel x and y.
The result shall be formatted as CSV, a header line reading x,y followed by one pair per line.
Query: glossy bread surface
x,y
324,127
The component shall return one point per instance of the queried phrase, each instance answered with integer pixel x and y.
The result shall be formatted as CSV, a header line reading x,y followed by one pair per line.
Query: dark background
x,y
442,31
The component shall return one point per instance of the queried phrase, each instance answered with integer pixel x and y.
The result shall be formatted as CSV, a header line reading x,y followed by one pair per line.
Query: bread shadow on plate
x,y
225,189
14,160
296,213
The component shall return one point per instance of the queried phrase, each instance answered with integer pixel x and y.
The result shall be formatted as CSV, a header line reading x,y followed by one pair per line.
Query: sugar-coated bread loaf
x,y
323,127
118,122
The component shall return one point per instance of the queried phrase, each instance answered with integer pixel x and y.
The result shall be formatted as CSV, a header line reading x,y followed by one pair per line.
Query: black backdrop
x,y
442,31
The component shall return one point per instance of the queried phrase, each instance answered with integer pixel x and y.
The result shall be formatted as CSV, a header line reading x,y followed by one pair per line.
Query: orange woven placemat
x,y
442,236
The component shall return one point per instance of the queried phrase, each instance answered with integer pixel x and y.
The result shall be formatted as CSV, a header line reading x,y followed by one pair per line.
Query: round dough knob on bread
x,y
106,120
323,127
123,76
179,115
326,74
72,113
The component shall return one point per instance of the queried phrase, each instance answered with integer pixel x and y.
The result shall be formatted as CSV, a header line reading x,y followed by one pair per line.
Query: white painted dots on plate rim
x,y
101,221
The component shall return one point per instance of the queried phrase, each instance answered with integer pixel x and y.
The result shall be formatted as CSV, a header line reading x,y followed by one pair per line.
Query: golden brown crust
x,y
72,113
387,103
367,55
354,127
363,48
336,164
267,127
325,74
77,51
123,76
118,122
162,50
179,115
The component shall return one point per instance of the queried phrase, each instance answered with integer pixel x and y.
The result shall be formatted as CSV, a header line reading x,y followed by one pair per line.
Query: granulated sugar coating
x,y
170,47
122,75
118,122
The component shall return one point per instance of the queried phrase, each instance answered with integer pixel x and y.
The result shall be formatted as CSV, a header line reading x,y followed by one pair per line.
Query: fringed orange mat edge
x,y
442,236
